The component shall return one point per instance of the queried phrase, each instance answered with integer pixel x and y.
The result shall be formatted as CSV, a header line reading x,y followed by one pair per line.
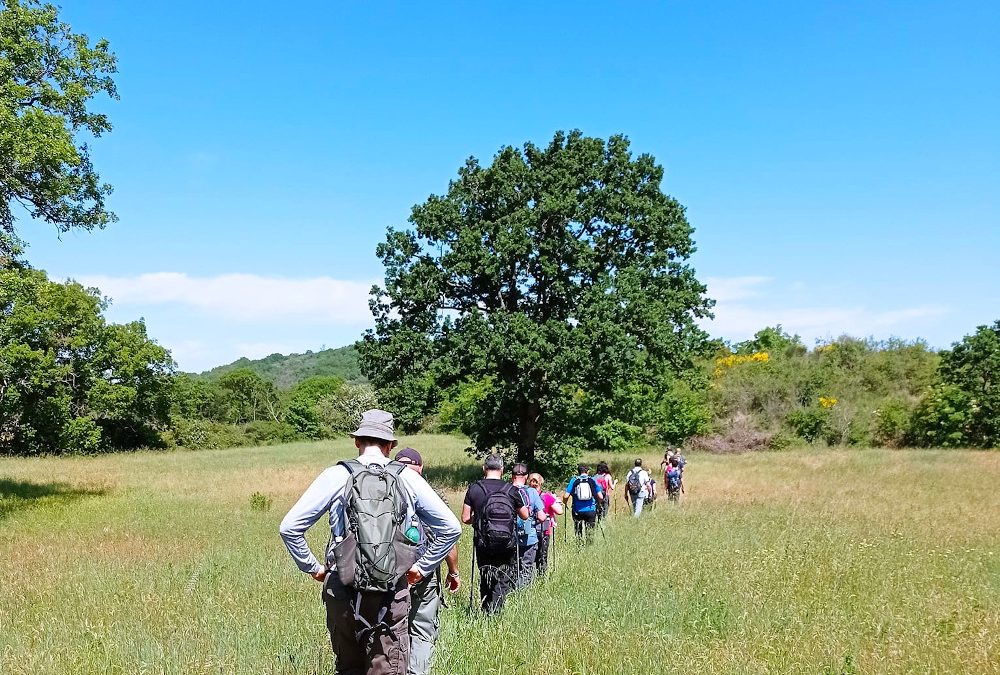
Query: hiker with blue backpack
x,y
492,506
376,511
585,493
674,480
528,528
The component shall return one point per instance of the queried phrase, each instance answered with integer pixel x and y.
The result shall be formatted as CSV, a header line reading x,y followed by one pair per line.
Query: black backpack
x,y
495,524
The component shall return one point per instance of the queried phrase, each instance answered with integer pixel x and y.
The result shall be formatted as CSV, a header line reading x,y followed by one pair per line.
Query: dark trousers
x,y
542,553
497,578
583,525
526,569
382,650
602,507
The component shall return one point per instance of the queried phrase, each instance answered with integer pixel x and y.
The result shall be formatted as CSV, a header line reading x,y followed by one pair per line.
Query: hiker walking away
x,y
585,493
527,530
673,480
546,528
607,483
673,453
637,487
376,509
492,506
426,595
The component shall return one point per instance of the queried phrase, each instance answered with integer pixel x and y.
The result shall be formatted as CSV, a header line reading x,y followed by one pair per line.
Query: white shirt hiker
x,y
327,494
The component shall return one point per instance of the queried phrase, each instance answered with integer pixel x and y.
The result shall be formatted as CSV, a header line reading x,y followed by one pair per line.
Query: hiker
x,y
426,595
637,487
607,483
546,528
585,493
527,531
366,578
673,480
492,506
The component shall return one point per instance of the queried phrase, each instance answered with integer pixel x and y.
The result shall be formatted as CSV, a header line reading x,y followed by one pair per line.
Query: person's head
x,y
603,468
376,429
638,461
582,468
536,481
493,466
674,462
412,459
519,473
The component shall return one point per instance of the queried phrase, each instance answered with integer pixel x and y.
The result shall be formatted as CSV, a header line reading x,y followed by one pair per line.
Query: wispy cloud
x,y
244,297
747,304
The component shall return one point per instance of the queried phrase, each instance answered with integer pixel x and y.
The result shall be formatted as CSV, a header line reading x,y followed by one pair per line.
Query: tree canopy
x,y
69,381
48,77
554,274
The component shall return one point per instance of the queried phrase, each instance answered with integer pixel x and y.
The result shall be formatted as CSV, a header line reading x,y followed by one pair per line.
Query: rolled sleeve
x,y
311,506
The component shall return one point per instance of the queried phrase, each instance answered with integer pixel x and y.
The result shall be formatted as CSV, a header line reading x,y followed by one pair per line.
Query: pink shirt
x,y
549,499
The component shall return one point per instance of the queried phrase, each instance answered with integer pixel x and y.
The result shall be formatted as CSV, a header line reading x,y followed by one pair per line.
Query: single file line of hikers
x,y
390,531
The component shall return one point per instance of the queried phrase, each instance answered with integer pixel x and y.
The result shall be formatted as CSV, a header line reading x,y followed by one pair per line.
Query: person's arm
x,y
557,507
523,512
313,503
437,517
467,514
454,581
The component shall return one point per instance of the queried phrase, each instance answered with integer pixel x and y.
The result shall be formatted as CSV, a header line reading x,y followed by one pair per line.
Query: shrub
x,y
809,423
616,435
260,502
340,412
943,418
891,423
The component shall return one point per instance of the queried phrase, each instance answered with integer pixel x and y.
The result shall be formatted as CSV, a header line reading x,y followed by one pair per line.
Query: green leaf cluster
x,y
69,381
48,76
553,270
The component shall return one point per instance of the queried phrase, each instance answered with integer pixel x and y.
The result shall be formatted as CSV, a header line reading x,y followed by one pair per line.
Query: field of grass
x,y
867,561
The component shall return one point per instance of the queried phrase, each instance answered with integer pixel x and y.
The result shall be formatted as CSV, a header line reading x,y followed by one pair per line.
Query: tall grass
x,y
803,561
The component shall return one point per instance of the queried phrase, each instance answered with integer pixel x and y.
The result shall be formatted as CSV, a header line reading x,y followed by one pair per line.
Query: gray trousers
x,y
526,570
425,604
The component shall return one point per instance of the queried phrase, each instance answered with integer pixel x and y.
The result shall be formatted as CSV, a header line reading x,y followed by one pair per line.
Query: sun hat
x,y
409,456
376,424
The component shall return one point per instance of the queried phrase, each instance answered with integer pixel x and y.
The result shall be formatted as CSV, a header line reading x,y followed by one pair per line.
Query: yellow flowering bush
x,y
725,362
827,401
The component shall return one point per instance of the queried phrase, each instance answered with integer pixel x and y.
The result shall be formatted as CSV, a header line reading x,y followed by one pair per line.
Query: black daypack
x,y
633,484
495,523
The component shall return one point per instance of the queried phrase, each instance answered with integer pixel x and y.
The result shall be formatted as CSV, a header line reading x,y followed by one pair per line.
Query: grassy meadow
x,y
805,561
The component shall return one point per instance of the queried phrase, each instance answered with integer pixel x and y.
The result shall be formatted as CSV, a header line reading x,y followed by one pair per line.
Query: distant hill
x,y
286,371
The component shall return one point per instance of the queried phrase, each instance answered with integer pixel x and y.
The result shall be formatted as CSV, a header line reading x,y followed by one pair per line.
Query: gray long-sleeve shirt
x,y
327,494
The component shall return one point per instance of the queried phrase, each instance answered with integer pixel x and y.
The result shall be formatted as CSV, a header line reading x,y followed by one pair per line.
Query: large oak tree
x,y
553,275
48,76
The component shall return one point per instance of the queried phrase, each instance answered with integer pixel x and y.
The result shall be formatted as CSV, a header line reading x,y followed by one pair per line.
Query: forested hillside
x,y
287,371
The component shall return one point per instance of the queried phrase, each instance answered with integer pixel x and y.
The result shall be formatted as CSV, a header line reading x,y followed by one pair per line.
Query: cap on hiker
x,y
376,424
519,469
409,456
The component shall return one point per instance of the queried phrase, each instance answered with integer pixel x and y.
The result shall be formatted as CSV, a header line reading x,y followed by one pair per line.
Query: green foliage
x,y
340,412
301,407
847,392
260,502
249,397
972,367
287,371
553,270
616,436
48,76
458,411
69,381
944,418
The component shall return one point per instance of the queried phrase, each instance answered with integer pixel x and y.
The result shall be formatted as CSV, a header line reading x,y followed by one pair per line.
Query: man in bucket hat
x,y
368,629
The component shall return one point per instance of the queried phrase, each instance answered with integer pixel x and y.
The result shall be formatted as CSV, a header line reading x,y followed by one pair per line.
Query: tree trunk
x,y
527,443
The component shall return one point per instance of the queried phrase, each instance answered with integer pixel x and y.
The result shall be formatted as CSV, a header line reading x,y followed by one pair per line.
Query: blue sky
x,y
839,161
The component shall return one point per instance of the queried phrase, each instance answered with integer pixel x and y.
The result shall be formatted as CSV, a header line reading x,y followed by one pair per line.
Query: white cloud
x,y
247,298
747,304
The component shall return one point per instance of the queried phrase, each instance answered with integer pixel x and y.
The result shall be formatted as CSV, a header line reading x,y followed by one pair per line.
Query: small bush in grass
x,y
260,502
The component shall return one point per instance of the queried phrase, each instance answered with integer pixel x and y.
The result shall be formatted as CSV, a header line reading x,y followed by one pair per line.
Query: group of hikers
x,y
390,531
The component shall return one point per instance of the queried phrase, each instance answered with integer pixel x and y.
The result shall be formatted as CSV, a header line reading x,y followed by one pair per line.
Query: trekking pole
x,y
472,578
